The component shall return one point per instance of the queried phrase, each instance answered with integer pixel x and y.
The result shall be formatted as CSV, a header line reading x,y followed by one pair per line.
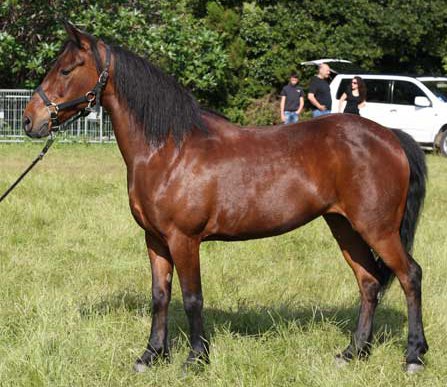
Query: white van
x,y
416,105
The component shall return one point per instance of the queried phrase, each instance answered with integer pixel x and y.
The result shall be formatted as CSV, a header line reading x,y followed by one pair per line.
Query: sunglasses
x,y
354,82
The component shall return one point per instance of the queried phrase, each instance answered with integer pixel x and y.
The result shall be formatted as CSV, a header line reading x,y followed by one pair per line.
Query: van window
x,y
405,92
377,90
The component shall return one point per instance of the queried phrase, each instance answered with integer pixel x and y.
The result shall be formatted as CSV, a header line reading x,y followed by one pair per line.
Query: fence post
x,y
100,124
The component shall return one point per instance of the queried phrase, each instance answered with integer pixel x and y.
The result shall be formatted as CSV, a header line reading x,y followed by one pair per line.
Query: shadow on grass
x,y
251,320
125,300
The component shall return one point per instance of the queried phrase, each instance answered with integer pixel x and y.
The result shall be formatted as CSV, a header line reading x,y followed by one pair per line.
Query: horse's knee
x,y
193,303
160,300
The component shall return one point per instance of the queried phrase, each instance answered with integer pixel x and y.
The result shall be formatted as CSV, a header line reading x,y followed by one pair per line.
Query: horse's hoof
x,y
414,368
195,362
149,359
192,367
340,362
140,367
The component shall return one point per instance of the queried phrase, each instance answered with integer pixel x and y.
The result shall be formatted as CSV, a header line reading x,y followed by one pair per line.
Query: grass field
x,y
75,290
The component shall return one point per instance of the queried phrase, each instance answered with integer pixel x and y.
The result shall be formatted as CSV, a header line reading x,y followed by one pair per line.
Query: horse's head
x,y
72,84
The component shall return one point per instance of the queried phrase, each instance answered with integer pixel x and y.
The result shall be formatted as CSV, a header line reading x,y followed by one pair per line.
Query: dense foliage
x,y
232,54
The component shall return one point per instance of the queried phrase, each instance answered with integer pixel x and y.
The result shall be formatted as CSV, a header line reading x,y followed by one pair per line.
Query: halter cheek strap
x,y
92,97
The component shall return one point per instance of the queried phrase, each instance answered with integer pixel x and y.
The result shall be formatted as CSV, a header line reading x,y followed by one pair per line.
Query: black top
x,y
293,95
352,102
320,89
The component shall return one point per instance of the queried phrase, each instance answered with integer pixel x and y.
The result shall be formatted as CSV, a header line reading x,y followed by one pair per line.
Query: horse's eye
x,y
65,72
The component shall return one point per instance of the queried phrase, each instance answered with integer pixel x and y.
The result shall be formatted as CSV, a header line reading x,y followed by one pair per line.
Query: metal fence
x,y
92,128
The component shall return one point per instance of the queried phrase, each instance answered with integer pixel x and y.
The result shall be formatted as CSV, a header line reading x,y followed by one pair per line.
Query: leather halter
x,y
92,97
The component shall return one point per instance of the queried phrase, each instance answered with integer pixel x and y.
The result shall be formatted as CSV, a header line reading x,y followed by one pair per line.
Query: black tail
x,y
415,197
416,191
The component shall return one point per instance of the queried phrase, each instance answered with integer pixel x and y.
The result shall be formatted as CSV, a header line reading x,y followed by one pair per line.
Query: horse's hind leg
x,y
369,278
161,267
409,274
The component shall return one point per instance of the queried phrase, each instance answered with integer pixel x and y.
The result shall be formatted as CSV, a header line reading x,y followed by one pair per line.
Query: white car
x,y
416,105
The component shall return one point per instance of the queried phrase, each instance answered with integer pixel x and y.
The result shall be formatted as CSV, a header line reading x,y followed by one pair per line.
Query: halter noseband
x,y
92,97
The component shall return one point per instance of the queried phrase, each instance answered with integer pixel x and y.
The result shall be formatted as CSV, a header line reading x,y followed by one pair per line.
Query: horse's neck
x,y
130,139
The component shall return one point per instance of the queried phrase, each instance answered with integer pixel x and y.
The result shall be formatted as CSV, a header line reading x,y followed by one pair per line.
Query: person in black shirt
x,y
292,101
355,97
320,93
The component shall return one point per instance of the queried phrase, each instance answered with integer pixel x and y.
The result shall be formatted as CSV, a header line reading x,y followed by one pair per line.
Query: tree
x,y
163,31
233,54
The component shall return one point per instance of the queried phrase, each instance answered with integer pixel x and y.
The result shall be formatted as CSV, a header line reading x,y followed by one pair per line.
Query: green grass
x,y
75,290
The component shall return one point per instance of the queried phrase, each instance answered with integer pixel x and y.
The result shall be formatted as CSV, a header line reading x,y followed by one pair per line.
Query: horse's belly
x,y
265,216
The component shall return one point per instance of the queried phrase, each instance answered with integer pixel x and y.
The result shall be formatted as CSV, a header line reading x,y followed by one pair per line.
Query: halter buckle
x,y
103,77
90,96
52,110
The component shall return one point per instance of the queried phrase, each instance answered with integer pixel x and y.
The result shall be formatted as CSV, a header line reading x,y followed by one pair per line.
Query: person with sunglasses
x,y
355,97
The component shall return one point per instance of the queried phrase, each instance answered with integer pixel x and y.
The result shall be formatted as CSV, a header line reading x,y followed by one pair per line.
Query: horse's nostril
x,y
27,123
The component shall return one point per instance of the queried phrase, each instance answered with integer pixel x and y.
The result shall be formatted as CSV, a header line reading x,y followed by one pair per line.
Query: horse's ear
x,y
75,34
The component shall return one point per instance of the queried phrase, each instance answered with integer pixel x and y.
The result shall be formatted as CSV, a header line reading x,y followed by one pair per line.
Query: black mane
x,y
157,102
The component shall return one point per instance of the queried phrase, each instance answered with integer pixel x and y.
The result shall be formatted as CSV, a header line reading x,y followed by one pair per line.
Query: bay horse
x,y
193,176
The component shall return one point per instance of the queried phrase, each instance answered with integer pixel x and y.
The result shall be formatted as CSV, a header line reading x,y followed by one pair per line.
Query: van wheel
x,y
443,143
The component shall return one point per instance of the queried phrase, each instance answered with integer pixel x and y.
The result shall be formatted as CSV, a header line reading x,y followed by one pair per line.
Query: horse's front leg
x,y
185,254
161,267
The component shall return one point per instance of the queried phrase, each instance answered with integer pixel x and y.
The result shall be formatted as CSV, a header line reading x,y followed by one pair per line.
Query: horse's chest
x,y
143,210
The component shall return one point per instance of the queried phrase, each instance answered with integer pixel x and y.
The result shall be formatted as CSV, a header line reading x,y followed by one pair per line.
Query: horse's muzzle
x,y
43,130
27,124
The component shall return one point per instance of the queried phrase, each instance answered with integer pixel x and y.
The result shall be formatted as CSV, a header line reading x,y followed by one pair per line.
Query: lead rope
x,y
36,160
42,153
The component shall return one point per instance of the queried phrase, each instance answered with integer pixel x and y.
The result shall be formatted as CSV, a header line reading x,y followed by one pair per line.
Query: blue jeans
x,y
291,117
318,113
